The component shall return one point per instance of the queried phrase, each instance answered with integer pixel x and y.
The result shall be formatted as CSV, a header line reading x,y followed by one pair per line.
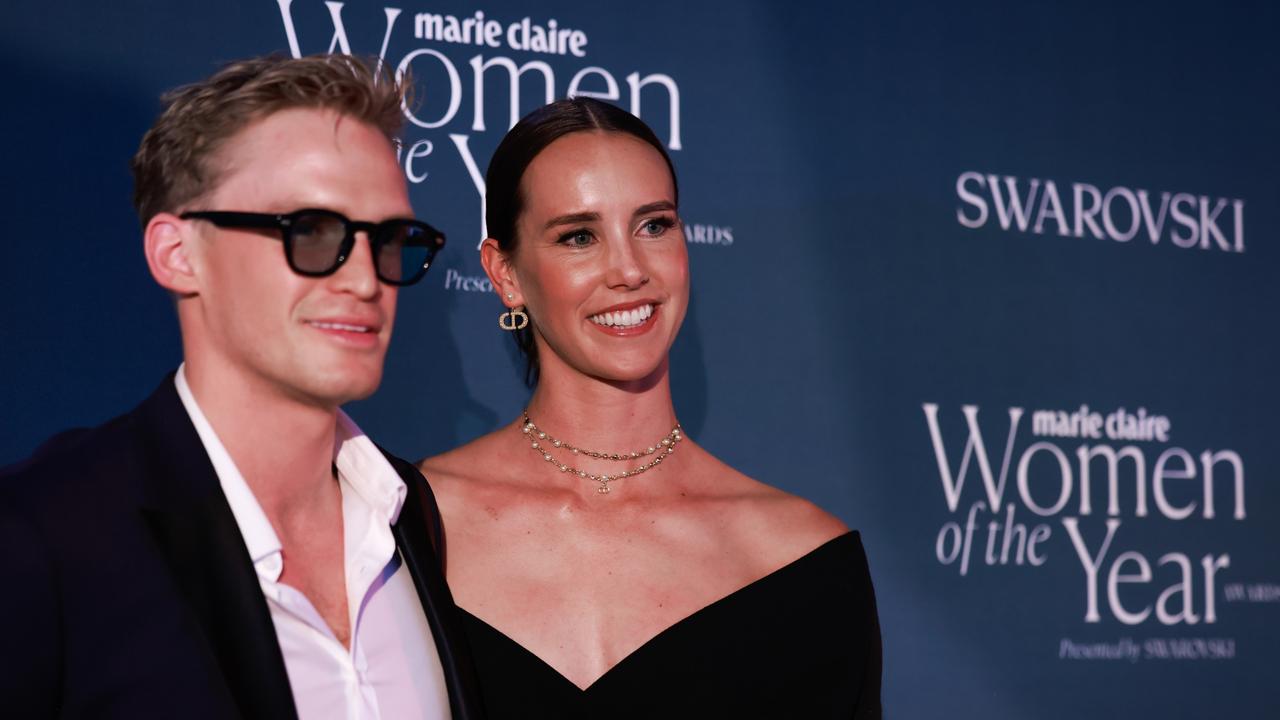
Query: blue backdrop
x,y
922,238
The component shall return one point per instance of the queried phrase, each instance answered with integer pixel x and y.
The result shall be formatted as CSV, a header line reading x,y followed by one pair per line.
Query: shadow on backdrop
x,y
71,227
689,372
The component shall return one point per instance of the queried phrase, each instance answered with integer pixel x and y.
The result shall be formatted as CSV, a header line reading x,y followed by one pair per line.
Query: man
x,y
235,546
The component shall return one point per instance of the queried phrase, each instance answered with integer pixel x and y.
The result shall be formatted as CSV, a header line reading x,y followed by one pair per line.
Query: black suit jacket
x,y
126,589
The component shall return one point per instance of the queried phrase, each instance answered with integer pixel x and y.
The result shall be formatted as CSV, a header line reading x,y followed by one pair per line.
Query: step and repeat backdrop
x,y
995,283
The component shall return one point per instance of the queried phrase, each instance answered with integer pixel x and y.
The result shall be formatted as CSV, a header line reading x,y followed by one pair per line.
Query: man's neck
x,y
282,447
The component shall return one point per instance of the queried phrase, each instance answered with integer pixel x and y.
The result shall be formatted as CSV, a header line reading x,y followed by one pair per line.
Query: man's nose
x,y
359,274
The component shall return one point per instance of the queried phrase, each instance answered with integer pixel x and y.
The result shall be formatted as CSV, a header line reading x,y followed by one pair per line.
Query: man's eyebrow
x,y
655,207
572,219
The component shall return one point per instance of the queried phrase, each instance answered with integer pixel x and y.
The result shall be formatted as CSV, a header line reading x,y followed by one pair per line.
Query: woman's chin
x,y
637,374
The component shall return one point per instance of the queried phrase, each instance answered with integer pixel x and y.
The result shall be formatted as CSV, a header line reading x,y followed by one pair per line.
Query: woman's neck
x,y
603,415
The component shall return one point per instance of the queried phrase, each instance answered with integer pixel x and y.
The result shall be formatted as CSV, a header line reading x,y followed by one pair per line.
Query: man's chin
x,y
337,390
353,393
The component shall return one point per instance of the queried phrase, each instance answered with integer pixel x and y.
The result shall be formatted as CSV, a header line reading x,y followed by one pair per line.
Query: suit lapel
x,y
201,543
197,534
420,538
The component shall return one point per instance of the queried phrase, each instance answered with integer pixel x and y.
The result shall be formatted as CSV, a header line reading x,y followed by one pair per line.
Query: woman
x,y
608,566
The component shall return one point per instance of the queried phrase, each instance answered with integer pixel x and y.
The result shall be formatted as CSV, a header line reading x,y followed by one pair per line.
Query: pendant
x,y
603,489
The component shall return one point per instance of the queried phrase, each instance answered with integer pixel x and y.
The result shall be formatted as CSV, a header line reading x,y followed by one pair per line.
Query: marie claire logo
x,y
443,90
522,35
1036,206
1053,482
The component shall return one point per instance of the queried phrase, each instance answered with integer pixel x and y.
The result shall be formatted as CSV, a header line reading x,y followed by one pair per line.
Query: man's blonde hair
x,y
176,161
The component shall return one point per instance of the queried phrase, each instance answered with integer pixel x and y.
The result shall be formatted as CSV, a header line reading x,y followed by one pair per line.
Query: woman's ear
x,y
497,265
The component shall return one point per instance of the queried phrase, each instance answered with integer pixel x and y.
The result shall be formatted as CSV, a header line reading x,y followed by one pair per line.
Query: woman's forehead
x,y
596,170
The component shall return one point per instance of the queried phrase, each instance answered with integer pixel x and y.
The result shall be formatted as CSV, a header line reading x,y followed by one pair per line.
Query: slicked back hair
x,y
503,199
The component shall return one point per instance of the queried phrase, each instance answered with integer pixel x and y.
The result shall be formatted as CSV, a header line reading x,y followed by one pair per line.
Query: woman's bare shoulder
x,y
469,464
791,521
787,524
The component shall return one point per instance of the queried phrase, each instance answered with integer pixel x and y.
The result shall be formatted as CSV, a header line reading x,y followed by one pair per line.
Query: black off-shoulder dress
x,y
801,642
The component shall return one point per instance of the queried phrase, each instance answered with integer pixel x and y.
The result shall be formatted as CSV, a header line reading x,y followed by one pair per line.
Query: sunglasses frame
x,y
285,222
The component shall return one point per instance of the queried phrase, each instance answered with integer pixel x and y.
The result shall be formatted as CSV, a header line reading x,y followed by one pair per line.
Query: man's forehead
x,y
309,158
295,128
284,155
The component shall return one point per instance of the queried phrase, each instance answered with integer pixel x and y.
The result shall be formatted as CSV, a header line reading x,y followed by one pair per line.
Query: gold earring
x,y
514,319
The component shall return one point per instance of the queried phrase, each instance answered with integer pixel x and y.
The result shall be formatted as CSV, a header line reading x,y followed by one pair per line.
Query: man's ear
x,y
497,265
167,242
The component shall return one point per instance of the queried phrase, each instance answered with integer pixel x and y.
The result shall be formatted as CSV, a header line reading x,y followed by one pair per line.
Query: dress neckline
x,y
774,576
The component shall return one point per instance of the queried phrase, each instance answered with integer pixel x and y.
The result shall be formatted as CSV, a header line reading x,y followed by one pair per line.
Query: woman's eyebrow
x,y
654,207
572,219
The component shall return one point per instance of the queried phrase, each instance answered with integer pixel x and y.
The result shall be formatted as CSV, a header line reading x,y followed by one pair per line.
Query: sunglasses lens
x,y
406,250
317,240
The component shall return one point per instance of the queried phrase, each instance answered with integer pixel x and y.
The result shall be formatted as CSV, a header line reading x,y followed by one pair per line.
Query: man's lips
x,y
351,331
344,326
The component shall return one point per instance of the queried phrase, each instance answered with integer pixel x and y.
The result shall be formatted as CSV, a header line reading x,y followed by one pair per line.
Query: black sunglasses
x,y
317,242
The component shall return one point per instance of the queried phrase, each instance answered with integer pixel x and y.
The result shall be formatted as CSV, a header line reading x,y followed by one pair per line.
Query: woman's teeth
x,y
623,318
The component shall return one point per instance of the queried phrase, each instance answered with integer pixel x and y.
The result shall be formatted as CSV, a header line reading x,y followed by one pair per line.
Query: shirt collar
x,y
363,466
259,537
359,462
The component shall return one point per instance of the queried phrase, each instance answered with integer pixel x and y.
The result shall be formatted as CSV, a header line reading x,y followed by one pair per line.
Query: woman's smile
x,y
624,320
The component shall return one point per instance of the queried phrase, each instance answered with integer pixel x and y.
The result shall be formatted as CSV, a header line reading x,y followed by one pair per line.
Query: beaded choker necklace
x,y
542,443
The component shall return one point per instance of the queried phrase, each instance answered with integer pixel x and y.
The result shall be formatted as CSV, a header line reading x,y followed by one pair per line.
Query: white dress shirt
x,y
392,669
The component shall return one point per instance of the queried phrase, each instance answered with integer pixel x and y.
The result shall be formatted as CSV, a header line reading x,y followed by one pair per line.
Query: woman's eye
x,y
657,226
577,238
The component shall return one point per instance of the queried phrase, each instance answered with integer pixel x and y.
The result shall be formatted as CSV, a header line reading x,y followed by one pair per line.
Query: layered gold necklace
x,y
542,443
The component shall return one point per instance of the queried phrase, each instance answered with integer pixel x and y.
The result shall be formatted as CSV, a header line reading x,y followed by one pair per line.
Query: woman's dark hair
x,y
531,136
